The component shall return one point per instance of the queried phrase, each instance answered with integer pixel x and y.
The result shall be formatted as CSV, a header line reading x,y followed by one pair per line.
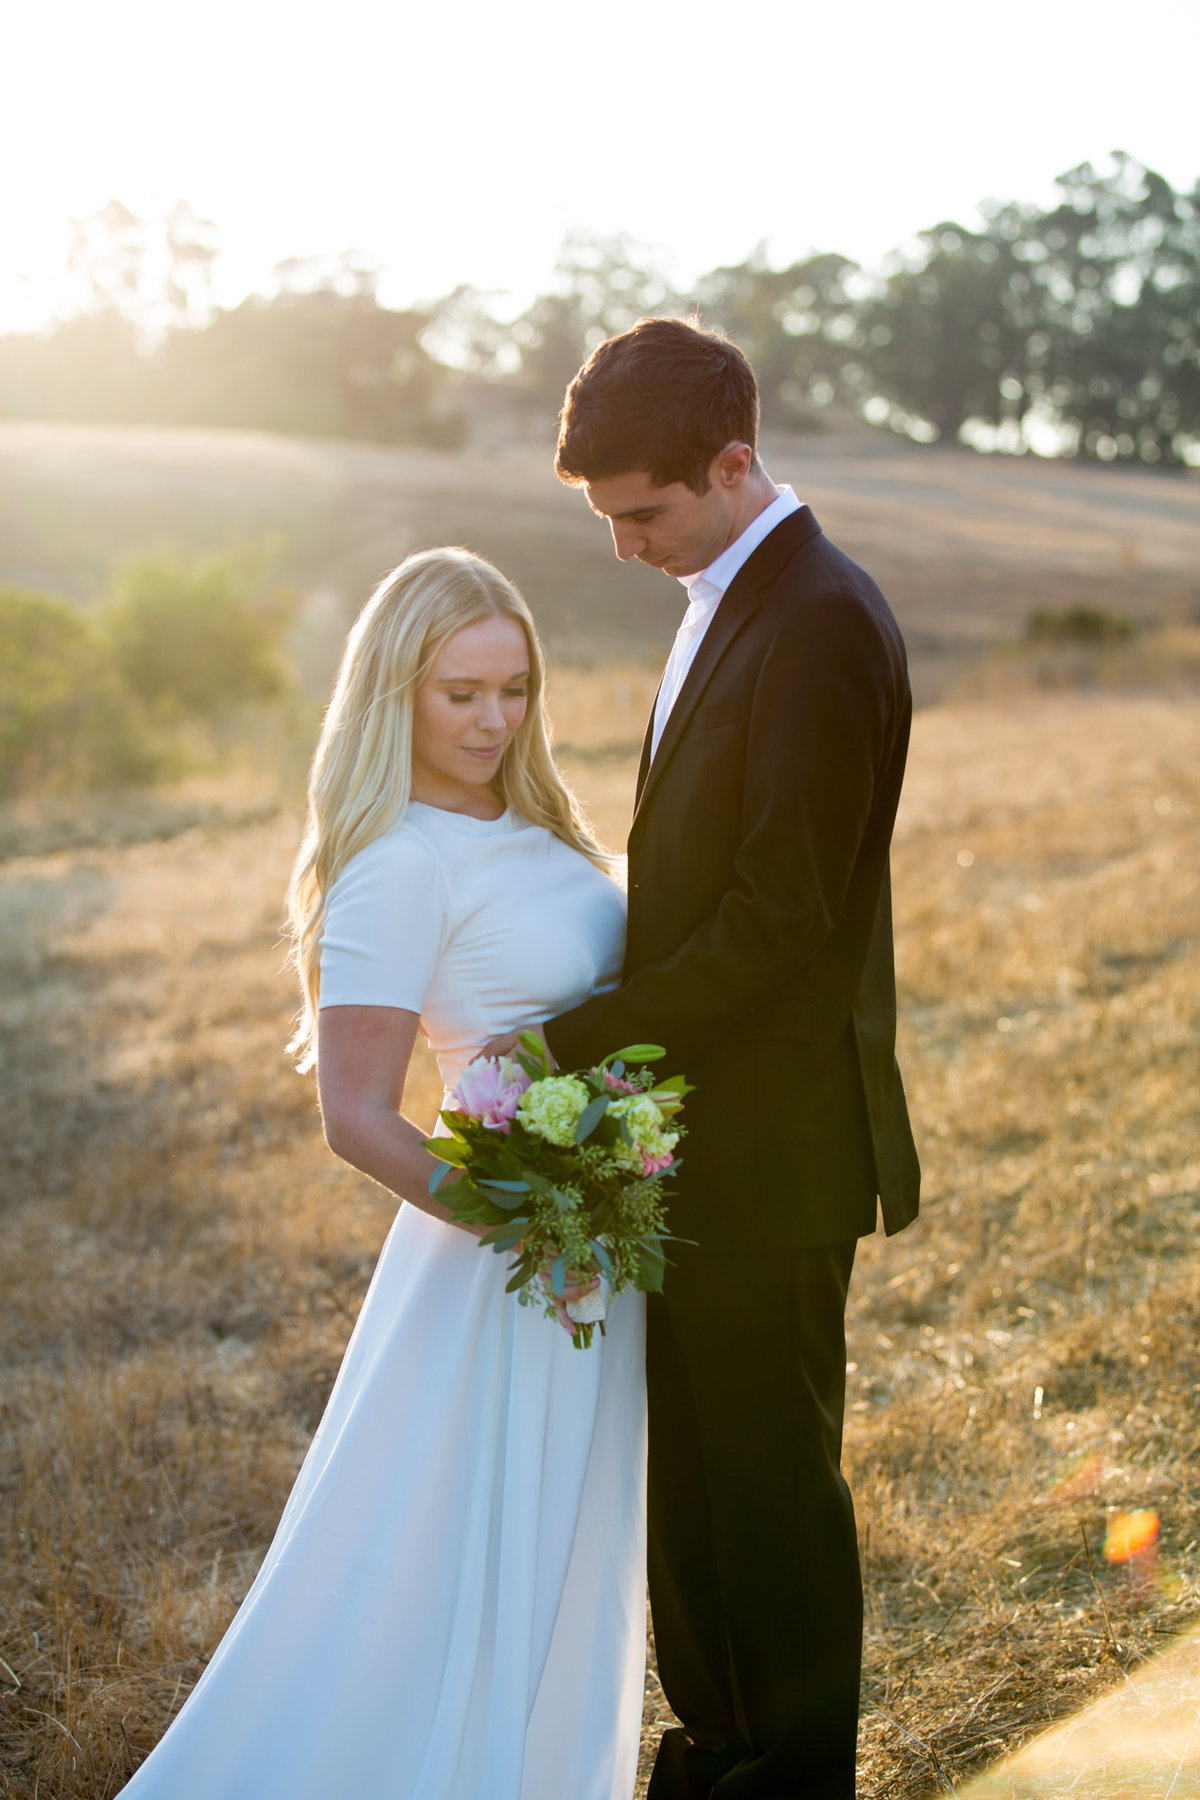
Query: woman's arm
x,y
363,1053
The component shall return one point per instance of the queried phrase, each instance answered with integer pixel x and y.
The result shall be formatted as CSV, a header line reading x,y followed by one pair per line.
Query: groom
x,y
760,954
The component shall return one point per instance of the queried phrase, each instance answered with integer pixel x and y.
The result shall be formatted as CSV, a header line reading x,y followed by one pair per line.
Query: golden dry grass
x,y
181,1259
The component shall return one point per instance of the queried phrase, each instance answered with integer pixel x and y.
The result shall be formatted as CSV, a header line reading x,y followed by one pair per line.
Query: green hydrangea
x,y
644,1123
551,1108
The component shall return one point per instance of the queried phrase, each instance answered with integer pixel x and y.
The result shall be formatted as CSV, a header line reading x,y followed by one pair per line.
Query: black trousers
x,y
754,1580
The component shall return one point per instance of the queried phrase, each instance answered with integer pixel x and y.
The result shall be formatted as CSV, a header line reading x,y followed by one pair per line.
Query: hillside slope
x,y
964,546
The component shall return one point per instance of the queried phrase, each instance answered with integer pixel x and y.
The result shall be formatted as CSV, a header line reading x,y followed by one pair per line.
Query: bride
x,y
452,1607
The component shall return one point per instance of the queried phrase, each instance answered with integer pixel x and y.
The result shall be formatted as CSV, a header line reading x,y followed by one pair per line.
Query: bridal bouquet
x,y
565,1170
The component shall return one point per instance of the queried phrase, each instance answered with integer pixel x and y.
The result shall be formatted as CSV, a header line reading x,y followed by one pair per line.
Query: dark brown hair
x,y
666,397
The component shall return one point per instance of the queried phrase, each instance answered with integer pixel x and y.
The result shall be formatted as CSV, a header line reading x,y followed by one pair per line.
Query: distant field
x,y
181,1259
964,546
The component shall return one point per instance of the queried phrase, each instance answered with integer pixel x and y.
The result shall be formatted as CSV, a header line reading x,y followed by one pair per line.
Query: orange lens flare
x,y
1130,1534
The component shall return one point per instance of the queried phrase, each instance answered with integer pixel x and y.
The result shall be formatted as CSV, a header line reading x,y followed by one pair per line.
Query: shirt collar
x,y
705,590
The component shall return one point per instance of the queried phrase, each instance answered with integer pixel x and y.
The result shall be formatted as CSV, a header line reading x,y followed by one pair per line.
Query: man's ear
x,y
732,465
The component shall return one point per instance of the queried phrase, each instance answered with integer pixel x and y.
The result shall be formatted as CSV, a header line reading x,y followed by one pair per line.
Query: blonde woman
x,y
453,1605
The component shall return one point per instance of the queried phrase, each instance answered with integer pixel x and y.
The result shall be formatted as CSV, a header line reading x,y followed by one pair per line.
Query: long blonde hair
x,y
361,778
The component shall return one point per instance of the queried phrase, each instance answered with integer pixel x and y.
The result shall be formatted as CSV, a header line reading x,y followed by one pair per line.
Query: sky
x,y
458,141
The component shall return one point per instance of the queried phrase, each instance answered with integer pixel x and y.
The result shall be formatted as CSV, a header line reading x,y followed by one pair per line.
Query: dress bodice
x,y
479,925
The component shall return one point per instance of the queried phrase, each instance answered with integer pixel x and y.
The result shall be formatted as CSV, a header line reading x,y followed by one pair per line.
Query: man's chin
x,y
670,565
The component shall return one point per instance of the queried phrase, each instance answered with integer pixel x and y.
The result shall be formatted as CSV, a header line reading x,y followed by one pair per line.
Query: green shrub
x,y
65,719
199,640
1078,625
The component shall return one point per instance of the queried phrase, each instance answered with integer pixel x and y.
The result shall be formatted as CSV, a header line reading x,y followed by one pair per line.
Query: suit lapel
x,y
644,759
739,601
737,604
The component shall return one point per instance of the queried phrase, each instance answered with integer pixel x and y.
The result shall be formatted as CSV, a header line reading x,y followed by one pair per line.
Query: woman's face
x,y
466,714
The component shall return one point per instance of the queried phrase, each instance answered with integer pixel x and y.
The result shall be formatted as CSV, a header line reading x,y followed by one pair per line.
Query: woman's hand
x,y
506,1043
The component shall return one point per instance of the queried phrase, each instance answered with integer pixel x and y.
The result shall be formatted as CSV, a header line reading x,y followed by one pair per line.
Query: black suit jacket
x,y
759,949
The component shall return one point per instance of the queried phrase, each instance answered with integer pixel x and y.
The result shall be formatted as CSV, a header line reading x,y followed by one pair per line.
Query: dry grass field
x,y
181,1259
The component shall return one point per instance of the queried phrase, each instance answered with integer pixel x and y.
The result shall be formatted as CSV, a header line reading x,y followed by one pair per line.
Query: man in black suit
x,y
760,954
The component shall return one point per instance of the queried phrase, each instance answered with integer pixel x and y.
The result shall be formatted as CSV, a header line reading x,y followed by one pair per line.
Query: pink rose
x,y
489,1091
654,1165
617,1085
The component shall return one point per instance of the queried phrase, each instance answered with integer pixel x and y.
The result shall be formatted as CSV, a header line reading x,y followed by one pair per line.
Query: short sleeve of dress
x,y
386,923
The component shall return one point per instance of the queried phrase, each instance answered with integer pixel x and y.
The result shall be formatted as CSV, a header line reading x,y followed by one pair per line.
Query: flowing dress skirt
x,y
453,1605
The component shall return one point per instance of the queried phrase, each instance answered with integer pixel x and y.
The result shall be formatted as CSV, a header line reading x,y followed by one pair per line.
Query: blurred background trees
x,y
163,675
1072,329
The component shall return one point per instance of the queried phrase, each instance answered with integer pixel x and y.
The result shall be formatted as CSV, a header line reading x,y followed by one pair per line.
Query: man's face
x,y
668,528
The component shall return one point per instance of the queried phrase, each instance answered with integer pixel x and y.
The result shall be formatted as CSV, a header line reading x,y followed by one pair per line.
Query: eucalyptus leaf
x,y
651,1267
590,1117
503,1237
558,1275
501,1197
602,1256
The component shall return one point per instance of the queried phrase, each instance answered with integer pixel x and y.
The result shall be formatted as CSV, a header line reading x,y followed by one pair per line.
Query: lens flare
x,y
1131,1535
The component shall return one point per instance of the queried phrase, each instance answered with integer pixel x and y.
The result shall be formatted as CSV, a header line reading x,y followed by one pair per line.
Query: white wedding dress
x,y
453,1605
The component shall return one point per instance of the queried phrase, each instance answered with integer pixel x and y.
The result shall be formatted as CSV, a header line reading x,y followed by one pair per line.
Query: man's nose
x,y
628,540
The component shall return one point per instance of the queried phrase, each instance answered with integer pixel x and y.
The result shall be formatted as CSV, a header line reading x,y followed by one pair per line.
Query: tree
x,y
941,339
797,325
1115,352
1084,318
153,273
604,285
321,363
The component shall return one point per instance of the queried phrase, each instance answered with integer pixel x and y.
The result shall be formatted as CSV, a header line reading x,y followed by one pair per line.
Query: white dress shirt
x,y
705,592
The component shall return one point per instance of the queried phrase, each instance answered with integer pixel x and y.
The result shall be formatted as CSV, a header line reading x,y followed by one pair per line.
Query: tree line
x,y
1072,328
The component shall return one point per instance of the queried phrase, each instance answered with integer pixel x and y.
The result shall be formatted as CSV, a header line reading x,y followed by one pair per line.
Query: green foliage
x,y
798,326
109,699
65,721
940,340
1082,319
602,286
198,640
1078,625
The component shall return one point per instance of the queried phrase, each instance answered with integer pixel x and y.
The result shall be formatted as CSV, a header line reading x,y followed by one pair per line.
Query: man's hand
x,y
506,1043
